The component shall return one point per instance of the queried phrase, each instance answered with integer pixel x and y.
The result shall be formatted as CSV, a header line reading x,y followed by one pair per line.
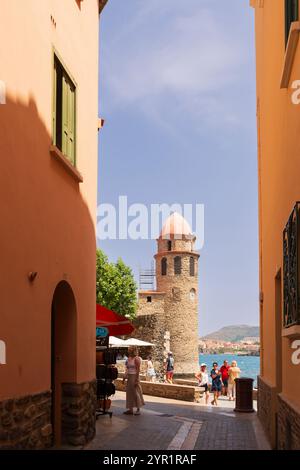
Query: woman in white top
x,y
202,377
134,393
150,370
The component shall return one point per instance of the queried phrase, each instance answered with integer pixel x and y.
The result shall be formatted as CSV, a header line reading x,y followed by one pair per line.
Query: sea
x,y
249,365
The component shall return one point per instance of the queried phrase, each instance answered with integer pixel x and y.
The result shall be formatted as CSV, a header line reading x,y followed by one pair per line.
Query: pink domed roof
x,y
176,225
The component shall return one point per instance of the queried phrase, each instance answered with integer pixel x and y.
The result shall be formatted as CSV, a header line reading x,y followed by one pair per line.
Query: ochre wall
x,y
279,183
47,217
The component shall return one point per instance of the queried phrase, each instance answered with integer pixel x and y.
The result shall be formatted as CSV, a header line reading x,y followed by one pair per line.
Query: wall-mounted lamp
x,y
32,275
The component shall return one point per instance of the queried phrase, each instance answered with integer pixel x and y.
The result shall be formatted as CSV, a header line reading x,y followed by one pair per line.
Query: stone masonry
x,y
25,422
288,425
264,407
78,412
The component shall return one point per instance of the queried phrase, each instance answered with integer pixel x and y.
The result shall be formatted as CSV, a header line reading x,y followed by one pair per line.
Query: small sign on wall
x,y
2,352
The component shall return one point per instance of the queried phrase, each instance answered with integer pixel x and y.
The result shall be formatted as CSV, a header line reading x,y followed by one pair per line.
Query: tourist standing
x,y
134,393
216,386
170,368
202,377
224,371
150,370
234,373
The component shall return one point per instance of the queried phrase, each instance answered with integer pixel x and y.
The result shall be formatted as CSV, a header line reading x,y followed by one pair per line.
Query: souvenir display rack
x,y
106,373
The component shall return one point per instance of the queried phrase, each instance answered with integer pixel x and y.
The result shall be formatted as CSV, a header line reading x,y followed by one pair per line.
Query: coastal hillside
x,y
233,333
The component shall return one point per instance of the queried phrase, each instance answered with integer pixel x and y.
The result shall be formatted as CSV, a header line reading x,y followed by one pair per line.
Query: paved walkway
x,y
176,425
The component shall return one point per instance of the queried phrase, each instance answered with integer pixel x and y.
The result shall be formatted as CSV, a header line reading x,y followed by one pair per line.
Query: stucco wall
x,y
48,219
279,188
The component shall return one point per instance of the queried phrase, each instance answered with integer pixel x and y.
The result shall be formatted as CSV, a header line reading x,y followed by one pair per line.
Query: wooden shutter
x,y
68,119
71,124
54,103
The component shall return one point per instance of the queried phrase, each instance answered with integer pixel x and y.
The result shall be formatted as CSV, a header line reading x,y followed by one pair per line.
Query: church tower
x,y
177,278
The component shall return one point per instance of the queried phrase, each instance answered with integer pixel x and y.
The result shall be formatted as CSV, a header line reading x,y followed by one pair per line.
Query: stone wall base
x,y
78,413
288,425
266,408
25,422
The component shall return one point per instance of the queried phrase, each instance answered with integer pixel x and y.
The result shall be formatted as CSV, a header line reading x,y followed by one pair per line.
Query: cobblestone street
x,y
175,425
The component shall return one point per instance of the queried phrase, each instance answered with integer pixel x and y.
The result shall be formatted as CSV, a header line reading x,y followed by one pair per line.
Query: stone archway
x,y
63,352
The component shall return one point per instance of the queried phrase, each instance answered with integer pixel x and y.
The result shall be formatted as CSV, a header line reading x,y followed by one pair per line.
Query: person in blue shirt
x,y
216,387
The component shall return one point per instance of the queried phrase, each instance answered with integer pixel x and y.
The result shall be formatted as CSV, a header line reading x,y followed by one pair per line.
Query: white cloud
x,y
180,60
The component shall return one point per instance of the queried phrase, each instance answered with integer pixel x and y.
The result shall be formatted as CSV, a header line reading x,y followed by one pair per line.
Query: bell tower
x,y
177,277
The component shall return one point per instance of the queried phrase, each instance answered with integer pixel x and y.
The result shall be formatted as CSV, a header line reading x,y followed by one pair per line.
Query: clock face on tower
x,y
192,294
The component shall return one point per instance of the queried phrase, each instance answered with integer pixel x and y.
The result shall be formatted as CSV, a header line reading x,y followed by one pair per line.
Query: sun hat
x,y
203,364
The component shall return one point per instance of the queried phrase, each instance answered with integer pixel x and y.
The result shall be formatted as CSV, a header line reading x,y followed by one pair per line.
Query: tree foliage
x,y
115,286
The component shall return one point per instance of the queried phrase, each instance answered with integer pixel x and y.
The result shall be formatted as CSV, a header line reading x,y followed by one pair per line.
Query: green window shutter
x,y
68,119
65,116
64,112
54,104
71,124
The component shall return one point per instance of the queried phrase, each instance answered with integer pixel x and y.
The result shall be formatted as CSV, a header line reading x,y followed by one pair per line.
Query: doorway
x,y
63,352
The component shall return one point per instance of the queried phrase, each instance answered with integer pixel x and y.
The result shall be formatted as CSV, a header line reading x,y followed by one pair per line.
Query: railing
x,y
291,291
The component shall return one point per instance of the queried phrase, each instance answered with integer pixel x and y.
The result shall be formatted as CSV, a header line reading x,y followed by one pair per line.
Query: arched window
x,y
177,265
192,266
164,266
169,245
193,294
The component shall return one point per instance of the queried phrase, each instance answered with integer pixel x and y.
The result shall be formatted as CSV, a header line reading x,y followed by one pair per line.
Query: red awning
x,y
116,324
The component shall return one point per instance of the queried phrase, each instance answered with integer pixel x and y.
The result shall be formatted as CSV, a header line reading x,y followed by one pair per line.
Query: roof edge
x,y
102,4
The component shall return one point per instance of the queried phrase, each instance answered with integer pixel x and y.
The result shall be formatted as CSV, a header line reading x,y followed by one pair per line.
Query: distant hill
x,y
234,333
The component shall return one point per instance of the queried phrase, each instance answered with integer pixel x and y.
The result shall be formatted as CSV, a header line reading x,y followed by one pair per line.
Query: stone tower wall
x,y
181,311
150,326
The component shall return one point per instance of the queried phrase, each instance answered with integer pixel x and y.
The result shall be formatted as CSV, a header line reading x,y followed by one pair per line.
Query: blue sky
x,y
177,91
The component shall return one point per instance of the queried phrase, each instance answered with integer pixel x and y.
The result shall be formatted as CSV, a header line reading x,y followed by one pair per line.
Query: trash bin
x,y
244,395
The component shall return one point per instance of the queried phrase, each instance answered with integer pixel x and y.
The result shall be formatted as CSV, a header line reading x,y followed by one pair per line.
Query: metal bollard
x,y
244,395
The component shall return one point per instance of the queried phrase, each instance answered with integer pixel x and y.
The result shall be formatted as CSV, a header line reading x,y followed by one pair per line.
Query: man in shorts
x,y
225,376
170,368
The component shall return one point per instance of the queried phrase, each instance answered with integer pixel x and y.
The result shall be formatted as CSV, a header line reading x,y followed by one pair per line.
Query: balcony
x,y
291,278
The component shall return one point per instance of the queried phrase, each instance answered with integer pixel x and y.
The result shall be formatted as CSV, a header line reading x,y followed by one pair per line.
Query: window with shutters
x,y
64,112
291,14
177,265
164,266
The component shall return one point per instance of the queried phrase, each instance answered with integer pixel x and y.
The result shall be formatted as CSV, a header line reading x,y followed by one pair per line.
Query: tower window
x,y
164,266
192,266
192,294
149,299
291,14
177,265
169,245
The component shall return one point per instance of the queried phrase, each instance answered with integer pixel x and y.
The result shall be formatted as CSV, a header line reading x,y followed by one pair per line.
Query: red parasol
x,y
116,324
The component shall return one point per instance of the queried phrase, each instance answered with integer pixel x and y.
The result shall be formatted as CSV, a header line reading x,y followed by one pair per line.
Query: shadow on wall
x,y
46,227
